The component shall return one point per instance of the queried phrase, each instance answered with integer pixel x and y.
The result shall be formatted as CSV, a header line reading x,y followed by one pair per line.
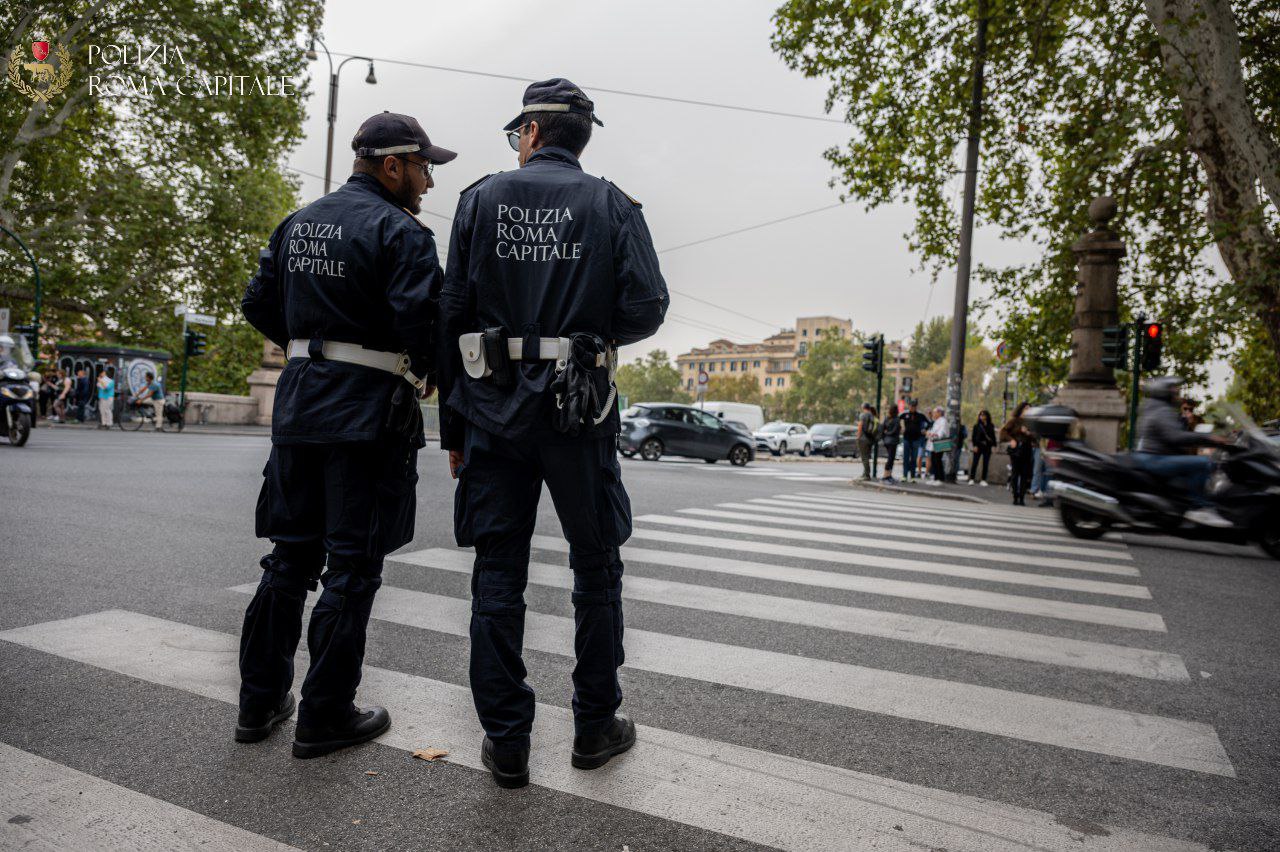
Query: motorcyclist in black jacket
x,y
1162,445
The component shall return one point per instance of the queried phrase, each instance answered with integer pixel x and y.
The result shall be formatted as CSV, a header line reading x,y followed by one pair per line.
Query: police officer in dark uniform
x,y
549,270
348,287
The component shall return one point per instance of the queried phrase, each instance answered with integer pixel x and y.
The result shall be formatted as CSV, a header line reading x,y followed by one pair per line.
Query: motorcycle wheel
x,y
1081,523
20,430
1270,543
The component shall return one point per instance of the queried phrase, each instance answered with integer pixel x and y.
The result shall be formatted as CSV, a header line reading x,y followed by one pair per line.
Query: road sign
x,y
703,379
907,384
4,320
201,319
1002,350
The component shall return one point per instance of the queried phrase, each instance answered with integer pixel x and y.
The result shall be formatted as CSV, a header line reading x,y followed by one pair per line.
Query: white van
x,y
751,416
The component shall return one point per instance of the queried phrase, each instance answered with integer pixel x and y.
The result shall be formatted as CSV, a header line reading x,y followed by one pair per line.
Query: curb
x,y
918,492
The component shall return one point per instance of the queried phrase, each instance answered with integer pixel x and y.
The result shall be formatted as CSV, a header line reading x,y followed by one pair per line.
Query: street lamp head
x,y
371,79
311,50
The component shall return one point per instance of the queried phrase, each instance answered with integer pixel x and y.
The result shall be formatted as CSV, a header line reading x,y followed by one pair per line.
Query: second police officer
x,y
550,269
347,287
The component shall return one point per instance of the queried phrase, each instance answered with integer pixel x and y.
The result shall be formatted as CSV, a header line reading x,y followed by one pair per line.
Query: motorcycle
x,y
1097,492
18,400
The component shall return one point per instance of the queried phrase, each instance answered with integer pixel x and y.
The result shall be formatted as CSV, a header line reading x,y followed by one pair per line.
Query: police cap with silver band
x,y
390,133
554,95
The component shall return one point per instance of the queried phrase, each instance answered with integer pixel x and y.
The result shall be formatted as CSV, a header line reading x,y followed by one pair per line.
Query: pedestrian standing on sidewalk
x,y
984,439
1021,457
60,401
81,394
890,434
106,400
868,429
914,425
936,434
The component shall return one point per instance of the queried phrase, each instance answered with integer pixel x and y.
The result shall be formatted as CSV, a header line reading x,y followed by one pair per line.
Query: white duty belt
x,y
396,363
549,349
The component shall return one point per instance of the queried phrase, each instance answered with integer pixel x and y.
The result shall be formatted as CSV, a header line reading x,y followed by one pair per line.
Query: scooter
x,y
1097,492
17,399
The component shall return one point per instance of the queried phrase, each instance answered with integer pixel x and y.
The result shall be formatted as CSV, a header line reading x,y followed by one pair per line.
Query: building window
x,y
781,381
733,366
804,348
756,364
768,382
711,368
800,363
804,332
690,384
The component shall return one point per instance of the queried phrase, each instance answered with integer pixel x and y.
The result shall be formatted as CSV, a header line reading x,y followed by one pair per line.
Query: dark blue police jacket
x,y
546,250
356,267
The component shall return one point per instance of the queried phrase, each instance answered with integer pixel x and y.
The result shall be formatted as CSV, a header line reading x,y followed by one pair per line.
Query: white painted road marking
x,y
754,795
1024,605
799,518
915,547
51,807
1012,644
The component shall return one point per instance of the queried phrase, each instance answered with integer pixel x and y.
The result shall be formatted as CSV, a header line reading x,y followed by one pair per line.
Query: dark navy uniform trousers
x,y
337,508
495,509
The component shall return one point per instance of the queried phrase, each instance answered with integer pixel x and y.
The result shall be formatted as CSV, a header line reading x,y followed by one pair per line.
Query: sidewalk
x,y
958,491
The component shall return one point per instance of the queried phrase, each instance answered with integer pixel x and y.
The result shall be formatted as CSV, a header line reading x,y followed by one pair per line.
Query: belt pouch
x,y
497,356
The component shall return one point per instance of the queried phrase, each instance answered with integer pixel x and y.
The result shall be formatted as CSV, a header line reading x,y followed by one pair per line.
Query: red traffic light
x,y
1153,330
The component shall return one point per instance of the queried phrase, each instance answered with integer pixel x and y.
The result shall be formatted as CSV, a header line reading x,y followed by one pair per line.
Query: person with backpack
x,y
890,433
868,434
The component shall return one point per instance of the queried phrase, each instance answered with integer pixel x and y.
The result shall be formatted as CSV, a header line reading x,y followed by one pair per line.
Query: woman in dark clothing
x,y
984,438
890,433
1021,453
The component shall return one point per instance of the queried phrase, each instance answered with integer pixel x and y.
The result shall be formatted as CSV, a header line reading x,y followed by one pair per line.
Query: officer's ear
x,y
535,135
391,166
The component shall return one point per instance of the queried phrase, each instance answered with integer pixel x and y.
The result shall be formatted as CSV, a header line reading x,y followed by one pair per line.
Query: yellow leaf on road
x,y
430,753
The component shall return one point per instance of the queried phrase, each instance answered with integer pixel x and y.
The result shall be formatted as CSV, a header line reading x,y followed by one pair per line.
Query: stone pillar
x,y
262,381
1091,386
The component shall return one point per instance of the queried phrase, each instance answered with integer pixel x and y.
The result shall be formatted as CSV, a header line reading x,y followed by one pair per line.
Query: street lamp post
x,y
39,291
370,78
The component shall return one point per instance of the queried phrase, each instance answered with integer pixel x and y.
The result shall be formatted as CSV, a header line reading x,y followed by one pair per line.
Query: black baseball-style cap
x,y
554,95
389,133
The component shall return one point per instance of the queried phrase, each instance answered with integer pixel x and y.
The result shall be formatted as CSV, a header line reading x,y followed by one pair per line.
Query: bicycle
x,y
134,413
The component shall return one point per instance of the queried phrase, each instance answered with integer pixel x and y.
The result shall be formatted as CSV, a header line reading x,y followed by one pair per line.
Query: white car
x,y
781,438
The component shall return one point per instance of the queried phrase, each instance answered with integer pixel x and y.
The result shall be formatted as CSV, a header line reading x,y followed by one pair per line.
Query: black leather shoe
x,y
255,727
510,768
591,751
360,727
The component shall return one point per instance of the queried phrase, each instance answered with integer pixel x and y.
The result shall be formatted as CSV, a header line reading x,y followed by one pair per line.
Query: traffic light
x,y
196,342
873,357
1152,342
1115,346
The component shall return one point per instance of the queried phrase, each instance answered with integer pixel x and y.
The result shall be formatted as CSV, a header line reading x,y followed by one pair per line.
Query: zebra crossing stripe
x,y
51,807
1011,644
1000,712
1023,605
893,516
894,563
787,518
753,795
914,547
929,506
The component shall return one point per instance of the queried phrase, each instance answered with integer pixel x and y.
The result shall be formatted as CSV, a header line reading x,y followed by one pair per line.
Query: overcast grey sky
x,y
699,171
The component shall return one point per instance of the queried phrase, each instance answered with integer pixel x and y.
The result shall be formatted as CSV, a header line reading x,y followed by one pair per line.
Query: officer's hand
x,y
455,462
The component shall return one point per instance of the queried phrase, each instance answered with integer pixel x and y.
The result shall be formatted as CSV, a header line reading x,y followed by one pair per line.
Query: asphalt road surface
x,y
812,666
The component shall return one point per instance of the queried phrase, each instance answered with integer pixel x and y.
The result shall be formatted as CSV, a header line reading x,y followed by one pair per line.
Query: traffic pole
x,y
1135,371
186,356
875,445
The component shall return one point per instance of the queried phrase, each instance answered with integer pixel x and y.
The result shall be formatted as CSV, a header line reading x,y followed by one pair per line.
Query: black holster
x,y
577,395
404,415
496,356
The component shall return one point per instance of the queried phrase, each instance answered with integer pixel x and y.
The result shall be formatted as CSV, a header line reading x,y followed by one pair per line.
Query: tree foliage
x,y
1165,105
930,342
740,388
650,379
134,203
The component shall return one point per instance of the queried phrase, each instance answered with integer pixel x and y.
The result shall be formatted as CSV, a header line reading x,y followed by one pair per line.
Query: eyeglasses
x,y
426,165
513,138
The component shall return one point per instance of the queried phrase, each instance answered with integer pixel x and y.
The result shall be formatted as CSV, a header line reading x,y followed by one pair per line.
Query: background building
x,y
773,361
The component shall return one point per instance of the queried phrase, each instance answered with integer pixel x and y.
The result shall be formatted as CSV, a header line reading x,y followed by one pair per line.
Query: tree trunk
x,y
1200,52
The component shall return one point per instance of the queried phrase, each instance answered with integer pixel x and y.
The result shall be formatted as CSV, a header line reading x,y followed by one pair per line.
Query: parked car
x,y
834,439
752,415
781,438
655,429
